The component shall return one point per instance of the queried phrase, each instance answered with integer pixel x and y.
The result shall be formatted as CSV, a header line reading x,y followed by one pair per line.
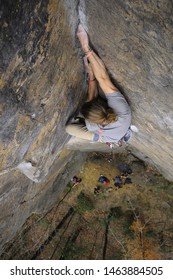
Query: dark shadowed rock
x,y
41,86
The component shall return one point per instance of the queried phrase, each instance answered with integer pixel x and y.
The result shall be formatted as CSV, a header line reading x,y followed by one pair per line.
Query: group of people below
x,y
107,119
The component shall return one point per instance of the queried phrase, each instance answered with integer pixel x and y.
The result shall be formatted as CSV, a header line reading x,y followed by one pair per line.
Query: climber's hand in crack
x,y
96,63
92,83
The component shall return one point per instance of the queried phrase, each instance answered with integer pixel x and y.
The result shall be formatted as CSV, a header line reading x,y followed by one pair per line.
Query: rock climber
x,y
106,119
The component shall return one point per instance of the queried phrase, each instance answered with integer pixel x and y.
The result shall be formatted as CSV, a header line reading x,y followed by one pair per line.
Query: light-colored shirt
x,y
114,131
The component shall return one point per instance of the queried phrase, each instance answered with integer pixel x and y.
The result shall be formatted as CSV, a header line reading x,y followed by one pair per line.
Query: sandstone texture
x,y
134,39
43,83
41,86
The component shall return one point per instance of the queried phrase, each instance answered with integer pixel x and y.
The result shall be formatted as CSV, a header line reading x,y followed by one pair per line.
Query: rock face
x,y
134,38
42,84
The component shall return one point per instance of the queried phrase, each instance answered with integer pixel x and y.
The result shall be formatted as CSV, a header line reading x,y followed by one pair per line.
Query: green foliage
x,y
159,183
166,186
151,234
68,187
44,223
129,218
116,213
170,229
84,203
118,255
103,222
74,252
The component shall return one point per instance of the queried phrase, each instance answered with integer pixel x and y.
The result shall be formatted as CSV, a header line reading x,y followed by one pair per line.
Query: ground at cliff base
x,y
95,218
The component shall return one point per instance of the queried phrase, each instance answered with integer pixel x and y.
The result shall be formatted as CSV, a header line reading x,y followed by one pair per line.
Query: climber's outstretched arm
x,y
100,73
92,90
97,65
92,83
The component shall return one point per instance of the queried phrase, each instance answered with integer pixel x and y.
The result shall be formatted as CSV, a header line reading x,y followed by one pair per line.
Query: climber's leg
x,y
80,131
97,64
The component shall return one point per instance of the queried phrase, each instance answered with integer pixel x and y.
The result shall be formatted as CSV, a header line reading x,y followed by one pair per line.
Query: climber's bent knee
x,y
73,128
79,131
